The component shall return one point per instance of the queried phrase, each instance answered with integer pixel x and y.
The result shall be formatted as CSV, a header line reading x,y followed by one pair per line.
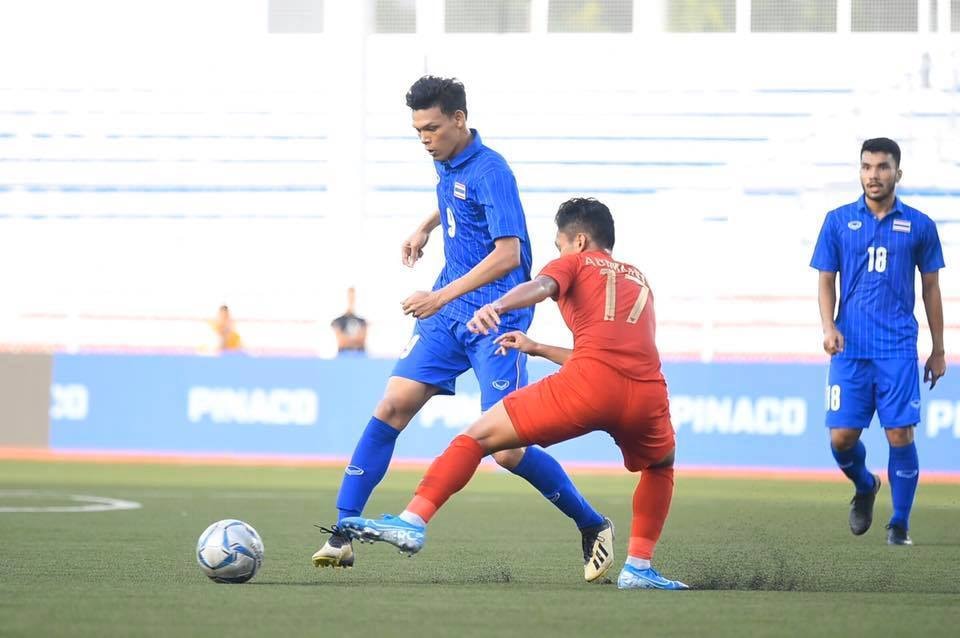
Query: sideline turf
x,y
768,558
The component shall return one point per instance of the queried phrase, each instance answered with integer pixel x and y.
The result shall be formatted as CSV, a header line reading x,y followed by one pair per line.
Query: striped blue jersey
x,y
479,202
877,262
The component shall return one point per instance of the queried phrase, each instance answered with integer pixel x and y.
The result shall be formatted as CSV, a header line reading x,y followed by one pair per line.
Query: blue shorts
x,y
858,387
442,349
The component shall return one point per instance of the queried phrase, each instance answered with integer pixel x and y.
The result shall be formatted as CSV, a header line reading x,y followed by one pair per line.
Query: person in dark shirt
x,y
350,328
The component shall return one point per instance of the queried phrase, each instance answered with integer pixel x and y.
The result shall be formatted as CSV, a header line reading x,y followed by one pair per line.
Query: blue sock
x,y
853,463
903,472
367,467
543,472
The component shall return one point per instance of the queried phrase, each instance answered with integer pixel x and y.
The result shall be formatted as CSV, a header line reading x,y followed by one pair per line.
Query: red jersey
x,y
609,308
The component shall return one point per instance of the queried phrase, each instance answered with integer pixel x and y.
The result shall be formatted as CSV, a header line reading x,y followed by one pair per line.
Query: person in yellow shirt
x,y
225,328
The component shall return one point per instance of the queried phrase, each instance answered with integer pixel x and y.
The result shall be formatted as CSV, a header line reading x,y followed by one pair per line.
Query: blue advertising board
x,y
766,415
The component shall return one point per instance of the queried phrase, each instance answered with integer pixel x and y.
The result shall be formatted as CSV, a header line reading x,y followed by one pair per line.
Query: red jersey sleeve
x,y
563,270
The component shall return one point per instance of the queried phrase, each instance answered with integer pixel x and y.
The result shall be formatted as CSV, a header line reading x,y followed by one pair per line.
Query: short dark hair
x,y
430,91
587,215
882,145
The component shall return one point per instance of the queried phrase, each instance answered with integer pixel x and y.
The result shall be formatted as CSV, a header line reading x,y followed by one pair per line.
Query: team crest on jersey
x,y
459,190
901,225
854,225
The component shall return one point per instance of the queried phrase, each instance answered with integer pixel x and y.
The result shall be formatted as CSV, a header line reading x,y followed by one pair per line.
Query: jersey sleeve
x,y
497,192
562,270
826,254
929,251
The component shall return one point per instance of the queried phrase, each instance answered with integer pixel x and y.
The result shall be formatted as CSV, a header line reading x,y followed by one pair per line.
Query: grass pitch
x,y
767,558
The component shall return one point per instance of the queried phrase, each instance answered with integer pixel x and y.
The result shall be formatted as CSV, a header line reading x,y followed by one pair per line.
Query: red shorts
x,y
586,395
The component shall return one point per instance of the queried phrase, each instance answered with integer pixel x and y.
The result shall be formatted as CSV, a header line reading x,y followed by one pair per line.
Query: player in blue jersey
x,y
876,244
487,253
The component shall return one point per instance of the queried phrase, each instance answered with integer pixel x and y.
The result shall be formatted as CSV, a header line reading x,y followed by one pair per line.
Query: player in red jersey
x,y
610,381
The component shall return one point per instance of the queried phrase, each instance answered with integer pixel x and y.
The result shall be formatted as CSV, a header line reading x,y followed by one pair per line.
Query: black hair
x,y
882,145
587,215
430,91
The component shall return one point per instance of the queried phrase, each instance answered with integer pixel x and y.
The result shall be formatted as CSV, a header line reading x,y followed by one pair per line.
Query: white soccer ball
x,y
230,551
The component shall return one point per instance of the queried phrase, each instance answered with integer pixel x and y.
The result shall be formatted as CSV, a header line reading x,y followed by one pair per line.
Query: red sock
x,y
448,474
651,502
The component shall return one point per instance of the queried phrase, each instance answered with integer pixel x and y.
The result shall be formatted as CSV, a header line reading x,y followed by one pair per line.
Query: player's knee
x,y
487,437
508,459
395,410
898,437
842,439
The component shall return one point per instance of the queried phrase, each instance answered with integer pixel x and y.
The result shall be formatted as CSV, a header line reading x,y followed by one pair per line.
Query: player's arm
x,y
827,296
523,295
412,247
827,257
517,340
936,365
504,257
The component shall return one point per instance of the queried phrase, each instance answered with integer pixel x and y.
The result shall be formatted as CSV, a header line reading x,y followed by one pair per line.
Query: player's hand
x,y
832,340
484,320
412,247
935,368
422,304
515,340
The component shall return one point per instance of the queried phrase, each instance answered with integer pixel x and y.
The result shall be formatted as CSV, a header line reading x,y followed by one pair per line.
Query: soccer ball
x,y
230,551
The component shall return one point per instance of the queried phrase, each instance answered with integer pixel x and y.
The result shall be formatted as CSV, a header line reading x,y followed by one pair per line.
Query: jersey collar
x,y
461,158
862,206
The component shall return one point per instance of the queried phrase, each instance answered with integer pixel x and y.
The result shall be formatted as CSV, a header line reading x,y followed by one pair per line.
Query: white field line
x,y
90,503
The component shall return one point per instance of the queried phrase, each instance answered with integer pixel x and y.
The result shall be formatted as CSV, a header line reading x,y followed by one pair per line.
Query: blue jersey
x,y
479,202
877,262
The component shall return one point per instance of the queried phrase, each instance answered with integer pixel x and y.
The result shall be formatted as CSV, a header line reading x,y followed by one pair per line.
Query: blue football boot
x,y
633,578
404,536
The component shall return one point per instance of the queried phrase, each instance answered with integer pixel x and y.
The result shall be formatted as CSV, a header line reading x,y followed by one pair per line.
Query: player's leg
x,y
850,406
498,376
428,366
495,430
546,412
898,405
447,475
645,436
651,504
401,401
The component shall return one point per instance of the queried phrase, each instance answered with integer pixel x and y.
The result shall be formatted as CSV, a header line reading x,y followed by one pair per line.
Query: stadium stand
x,y
152,205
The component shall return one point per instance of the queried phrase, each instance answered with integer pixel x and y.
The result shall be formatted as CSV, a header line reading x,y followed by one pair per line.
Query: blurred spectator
x,y
350,328
226,330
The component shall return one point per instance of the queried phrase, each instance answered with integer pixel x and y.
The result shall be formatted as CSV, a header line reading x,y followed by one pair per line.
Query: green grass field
x,y
768,558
